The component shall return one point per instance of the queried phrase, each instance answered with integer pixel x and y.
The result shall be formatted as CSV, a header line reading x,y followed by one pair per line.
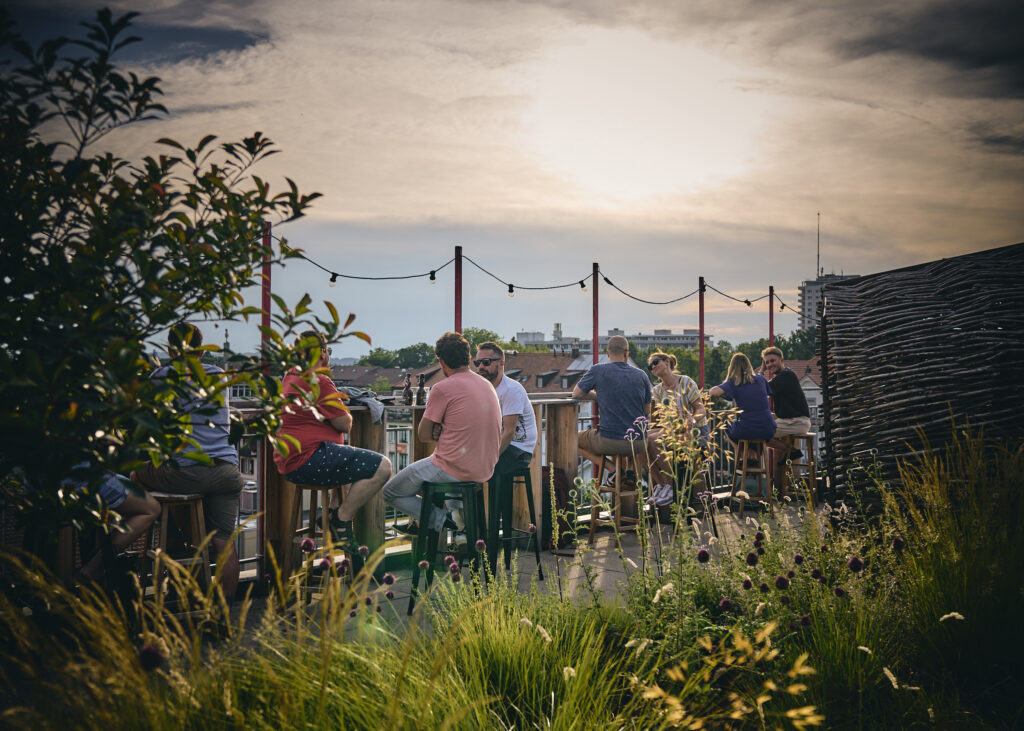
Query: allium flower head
x,y
368,600
748,584
456,577
855,564
364,551
352,613
757,543
764,588
307,545
784,598
389,594
344,564
839,591
389,578
453,567
531,528
791,574
480,545
781,582
815,574
898,543
725,605
325,564
751,559
703,555
760,550
424,565
759,536
150,657
449,560
798,558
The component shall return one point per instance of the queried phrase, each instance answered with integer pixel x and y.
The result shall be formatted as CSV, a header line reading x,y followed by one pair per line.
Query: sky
x,y
664,141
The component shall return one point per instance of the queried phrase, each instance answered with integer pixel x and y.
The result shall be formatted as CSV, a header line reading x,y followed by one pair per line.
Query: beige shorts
x,y
794,425
592,441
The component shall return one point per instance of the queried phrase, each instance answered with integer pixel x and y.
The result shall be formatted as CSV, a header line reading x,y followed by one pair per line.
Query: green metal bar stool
x,y
499,497
434,496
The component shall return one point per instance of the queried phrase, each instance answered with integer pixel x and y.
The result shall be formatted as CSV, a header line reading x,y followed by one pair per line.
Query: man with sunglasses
x,y
518,424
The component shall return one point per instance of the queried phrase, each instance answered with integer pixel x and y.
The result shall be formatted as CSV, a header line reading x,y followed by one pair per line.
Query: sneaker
x,y
410,528
795,455
663,495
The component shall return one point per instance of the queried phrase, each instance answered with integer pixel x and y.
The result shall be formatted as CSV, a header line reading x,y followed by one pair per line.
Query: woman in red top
x,y
312,424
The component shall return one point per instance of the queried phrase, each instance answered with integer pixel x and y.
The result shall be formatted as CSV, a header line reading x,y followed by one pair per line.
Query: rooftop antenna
x,y
818,268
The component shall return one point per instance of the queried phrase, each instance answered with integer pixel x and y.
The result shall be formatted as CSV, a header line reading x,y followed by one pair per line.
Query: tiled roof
x,y
806,368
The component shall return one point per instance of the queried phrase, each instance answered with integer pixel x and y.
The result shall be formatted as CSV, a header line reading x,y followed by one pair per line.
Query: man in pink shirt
x,y
464,417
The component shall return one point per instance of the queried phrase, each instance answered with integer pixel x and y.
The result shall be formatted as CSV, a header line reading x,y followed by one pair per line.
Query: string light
x,y
748,303
583,285
511,290
334,279
433,276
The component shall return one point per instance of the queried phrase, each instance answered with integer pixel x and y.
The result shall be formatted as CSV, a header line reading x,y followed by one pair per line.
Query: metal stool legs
x,y
500,501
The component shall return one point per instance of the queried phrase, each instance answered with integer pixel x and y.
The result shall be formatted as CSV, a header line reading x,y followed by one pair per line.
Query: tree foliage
x,y
101,255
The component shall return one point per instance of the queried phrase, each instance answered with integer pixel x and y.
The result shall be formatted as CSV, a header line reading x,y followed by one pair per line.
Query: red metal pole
x,y
771,315
701,320
264,336
266,452
596,341
458,289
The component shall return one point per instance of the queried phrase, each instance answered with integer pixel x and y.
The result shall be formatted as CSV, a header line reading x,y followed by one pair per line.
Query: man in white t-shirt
x,y
518,424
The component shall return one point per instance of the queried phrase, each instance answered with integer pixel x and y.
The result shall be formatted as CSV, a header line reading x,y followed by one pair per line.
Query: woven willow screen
x,y
909,353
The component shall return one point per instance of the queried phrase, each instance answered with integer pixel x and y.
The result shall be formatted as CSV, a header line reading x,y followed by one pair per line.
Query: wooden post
x,y
369,520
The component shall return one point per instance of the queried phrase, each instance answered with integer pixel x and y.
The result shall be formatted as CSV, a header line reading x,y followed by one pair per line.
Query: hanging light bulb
x,y
334,280
511,291
583,285
782,307
433,277
747,303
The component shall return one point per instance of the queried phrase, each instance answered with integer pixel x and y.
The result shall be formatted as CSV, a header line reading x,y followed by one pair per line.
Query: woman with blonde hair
x,y
750,392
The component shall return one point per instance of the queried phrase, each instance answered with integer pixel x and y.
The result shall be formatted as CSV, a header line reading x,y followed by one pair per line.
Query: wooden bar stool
x,y
756,449
188,508
499,498
615,517
806,464
434,495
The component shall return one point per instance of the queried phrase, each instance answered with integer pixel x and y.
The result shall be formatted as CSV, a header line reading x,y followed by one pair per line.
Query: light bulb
x,y
334,280
511,291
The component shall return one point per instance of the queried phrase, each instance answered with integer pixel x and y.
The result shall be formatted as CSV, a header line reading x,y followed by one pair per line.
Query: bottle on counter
x,y
421,391
407,390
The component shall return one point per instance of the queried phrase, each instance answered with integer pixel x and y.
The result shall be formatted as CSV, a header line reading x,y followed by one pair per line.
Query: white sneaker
x,y
663,495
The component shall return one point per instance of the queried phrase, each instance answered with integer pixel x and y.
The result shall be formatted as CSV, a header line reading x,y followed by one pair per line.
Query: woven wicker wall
x,y
917,349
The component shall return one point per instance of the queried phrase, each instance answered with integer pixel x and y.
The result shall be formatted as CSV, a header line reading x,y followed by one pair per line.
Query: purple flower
x,y
325,564
389,578
751,559
798,558
424,565
855,564
379,609
791,574
725,605
480,545
781,582
757,543
805,620
150,657
898,543
703,555
815,574
531,528
454,568
631,434
642,421
449,560
456,577
839,591
748,584
368,601
389,594
364,551
344,564
307,545
824,547
759,536
760,550
764,588
352,613
784,599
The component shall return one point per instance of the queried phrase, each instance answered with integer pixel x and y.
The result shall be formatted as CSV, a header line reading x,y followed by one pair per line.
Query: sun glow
x,y
624,116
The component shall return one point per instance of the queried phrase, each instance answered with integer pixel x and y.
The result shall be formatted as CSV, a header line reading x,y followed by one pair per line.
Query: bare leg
x,y
360,492
139,513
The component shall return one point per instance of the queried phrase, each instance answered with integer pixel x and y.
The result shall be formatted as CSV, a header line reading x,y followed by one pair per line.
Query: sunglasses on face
x,y
485,362
654,363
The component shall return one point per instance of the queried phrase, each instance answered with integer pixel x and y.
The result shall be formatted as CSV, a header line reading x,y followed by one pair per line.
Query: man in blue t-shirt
x,y
623,394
